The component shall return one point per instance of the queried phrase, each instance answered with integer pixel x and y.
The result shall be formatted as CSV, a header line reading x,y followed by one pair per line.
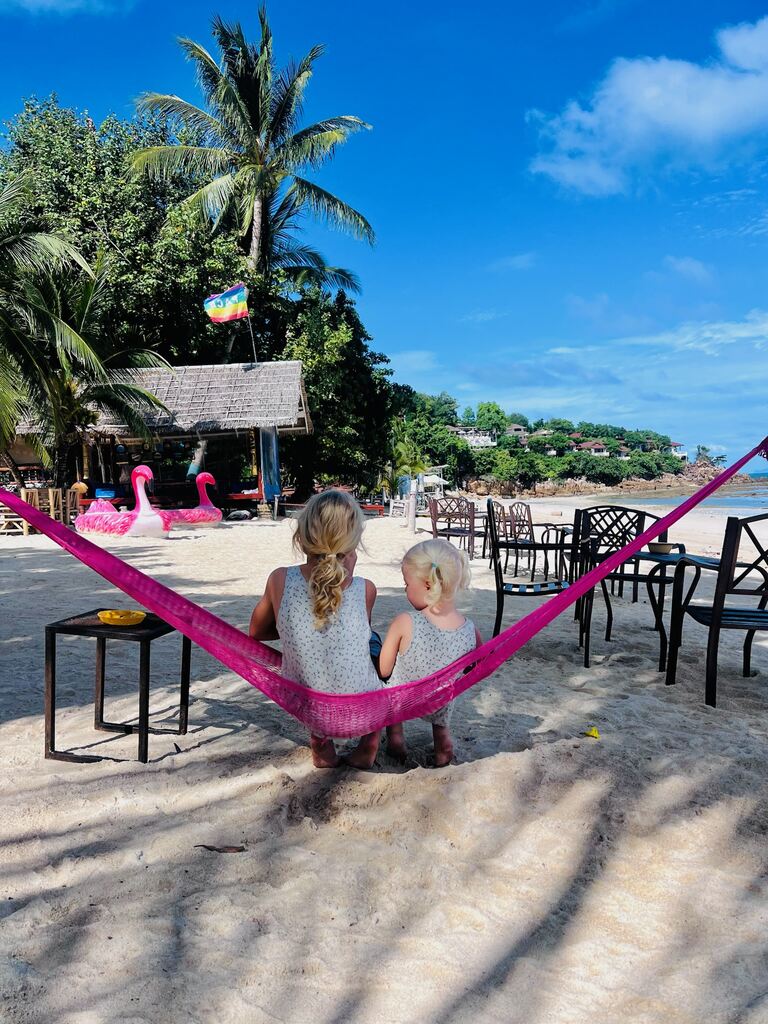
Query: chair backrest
x,y
493,541
520,521
71,506
31,495
453,512
613,526
498,513
750,574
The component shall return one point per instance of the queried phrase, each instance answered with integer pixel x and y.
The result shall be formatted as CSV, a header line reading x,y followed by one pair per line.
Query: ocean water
x,y
752,498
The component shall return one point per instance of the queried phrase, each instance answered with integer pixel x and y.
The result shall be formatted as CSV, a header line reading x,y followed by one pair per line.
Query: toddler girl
x,y
322,614
430,637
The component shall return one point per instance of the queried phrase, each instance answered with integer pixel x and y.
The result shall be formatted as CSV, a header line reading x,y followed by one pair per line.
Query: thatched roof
x,y
217,398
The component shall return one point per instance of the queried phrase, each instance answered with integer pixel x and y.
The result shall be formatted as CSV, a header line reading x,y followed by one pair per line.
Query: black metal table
x,y
88,624
657,577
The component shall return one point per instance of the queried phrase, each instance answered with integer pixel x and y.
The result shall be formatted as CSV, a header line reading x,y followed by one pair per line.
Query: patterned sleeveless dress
x,y
432,648
334,659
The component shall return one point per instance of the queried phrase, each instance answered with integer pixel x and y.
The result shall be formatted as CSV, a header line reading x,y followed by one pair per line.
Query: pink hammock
x,y
355,714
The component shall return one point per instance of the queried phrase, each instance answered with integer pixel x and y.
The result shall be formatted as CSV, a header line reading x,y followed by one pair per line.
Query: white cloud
x,y
650,111
67,6
520,261
709,337
689,268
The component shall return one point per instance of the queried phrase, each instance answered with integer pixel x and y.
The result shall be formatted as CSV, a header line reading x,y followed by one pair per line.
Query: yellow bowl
x,y
124,617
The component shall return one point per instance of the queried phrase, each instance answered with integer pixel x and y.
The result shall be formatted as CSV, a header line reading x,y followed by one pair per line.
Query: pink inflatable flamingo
x,y
206,514
144,521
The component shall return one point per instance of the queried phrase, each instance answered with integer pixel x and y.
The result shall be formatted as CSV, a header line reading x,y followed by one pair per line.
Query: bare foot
x,y
443,745
364,754
396,742
323,752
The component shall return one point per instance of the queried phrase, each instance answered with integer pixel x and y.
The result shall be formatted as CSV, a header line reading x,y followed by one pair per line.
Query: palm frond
x,y
211,202
330,208
322,277
218,91
288,95
313,145
164,162
177,109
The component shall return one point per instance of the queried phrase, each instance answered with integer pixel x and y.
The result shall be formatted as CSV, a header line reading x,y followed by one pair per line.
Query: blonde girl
x,y
322,613
430,636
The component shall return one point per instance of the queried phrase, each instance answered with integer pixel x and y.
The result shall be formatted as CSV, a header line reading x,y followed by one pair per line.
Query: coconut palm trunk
x,y
255,248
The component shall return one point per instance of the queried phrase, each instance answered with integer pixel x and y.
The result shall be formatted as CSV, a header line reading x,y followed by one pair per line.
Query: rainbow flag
x,y
229,305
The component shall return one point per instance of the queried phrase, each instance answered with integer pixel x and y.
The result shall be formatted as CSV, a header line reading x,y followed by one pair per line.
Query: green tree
x,y
520,418
538,445
490,416
250,151
348,391
30,333
469,419
560,426
161,266
509,443
68,400
530,470
504,466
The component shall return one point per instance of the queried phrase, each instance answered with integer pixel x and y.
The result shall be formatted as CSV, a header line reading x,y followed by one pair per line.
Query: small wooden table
x,y
88,624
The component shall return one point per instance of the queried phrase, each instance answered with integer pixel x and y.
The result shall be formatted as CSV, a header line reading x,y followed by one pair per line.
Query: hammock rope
x,y
344,715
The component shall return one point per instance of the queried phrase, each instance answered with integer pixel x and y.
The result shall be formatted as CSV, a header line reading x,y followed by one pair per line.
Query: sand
x,y
545,877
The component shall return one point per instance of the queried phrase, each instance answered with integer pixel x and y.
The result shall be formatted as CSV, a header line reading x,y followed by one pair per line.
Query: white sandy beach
x,y
545,877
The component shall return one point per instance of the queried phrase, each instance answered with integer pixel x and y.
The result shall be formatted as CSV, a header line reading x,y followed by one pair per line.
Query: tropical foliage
x,y
250,154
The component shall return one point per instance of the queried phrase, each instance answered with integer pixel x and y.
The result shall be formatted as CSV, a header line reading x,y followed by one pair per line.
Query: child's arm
x,y
263,624
370,597
399,630
478,638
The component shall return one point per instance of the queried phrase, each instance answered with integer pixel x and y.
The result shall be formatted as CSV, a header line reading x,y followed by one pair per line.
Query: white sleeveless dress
x,y
432,648
336,658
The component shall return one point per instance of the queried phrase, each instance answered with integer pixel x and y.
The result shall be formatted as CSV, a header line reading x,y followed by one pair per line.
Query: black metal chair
x,y
610,528
547,588
519,537
733,578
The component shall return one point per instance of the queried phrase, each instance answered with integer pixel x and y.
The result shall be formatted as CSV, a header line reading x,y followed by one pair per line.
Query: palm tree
x,y
251,152
28,331
67,403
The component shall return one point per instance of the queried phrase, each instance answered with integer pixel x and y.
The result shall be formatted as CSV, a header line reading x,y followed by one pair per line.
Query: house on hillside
x,y
519,431
677,449
593,447
475,438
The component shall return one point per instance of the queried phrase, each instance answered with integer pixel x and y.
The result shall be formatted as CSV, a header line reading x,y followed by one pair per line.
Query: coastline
x,y
538,851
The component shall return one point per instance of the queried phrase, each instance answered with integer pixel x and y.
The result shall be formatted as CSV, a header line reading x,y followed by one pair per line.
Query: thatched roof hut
x,y
217,399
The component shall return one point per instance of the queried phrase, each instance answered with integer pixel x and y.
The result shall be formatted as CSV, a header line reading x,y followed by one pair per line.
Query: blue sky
x,y
571,203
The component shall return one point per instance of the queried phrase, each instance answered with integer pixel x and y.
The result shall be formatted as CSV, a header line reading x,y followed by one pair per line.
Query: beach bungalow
x,y
226,418
594,448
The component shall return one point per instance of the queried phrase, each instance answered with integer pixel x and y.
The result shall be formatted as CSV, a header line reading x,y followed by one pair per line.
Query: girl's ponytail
x,y
330,526
325,585
440,564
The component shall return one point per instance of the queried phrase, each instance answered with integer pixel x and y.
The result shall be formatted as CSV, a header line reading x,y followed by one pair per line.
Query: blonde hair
x,y
329,527
440,564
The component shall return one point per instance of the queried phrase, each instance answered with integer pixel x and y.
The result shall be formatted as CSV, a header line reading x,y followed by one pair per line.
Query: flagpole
x,y
253,340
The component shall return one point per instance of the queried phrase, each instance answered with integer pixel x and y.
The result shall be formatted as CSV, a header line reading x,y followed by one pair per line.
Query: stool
x,y
90,625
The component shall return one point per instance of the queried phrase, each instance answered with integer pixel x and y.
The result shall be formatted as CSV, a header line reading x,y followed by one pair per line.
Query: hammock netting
x,y
344,715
